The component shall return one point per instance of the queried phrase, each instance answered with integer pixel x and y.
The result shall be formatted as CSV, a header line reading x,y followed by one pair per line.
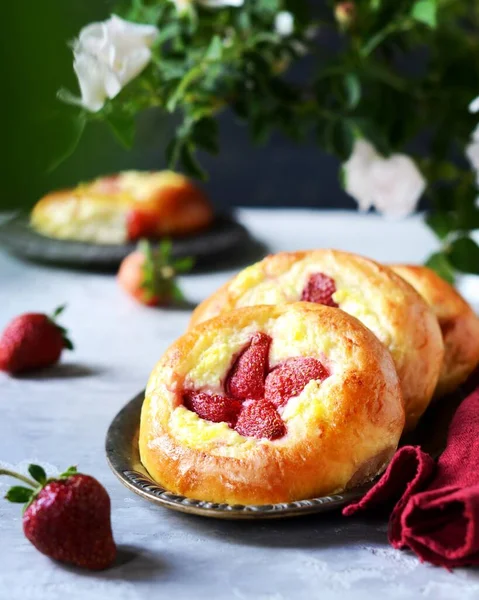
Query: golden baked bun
x,y
458,322
372,293
124,207
271,404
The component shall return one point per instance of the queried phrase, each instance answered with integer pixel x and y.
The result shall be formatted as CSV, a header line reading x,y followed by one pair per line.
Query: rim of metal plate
x,y
124,460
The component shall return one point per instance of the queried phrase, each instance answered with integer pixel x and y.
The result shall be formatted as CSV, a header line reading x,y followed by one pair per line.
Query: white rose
x,y
184,5
107,56
472,152
284,23
392,185
474,106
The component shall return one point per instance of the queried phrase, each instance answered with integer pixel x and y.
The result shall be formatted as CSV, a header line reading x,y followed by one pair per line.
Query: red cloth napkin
x,y
434,508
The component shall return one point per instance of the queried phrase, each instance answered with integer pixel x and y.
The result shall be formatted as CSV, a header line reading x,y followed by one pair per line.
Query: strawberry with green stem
x,y
149,274
67,517
33,341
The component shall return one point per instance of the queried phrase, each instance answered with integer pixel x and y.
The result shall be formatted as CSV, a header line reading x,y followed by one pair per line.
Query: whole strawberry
x,y
149,274
32,341
67,518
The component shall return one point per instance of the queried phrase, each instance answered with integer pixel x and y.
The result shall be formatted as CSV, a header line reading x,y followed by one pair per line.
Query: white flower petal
x,y
472,153
392,185
397,185
474,106
91,78
220,3
109,55
284,23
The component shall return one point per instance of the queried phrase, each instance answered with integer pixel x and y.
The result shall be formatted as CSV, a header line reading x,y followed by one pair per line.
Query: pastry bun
x,y
371,292
458,322
271,404
124,207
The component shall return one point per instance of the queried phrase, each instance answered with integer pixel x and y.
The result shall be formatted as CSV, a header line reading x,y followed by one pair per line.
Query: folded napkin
x,y
434,507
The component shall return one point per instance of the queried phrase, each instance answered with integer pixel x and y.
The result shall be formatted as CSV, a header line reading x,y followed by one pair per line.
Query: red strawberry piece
x,y
67,518
32,341
213,407
260,419
141,224
290,378
320,289
247,375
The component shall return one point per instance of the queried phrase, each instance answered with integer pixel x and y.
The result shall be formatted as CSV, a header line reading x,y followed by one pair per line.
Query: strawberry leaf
x,y
69,472
58,311
183,265
67,343
38,473
19,494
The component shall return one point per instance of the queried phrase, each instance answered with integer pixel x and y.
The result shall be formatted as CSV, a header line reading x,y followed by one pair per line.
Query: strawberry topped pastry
x,y
271,404
124,207
391,308
66,517
458,322
33,341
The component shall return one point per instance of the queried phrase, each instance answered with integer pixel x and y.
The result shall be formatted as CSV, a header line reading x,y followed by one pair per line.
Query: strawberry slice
x,y
213,407
320,289
260,420
247,375
141,224
290,378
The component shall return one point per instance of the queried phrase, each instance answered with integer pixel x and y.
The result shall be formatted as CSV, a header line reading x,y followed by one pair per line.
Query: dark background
x,y
36,61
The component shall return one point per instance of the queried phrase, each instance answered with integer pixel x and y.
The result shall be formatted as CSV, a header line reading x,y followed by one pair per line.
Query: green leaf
x,y
190,163
19,494
463,254
69,472
58,311
441,222
38,473
215,49
173,152
71,129
164,248
183,265
123,126
205,134
67,343
425,11
353,90
340,138
439,263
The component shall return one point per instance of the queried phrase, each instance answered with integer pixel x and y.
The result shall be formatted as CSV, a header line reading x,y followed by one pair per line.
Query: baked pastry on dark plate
x,y
124,207
271,404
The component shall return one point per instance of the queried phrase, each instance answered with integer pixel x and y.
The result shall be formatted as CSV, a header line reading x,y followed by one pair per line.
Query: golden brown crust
x,y
97,211
373,293
340,432
459,325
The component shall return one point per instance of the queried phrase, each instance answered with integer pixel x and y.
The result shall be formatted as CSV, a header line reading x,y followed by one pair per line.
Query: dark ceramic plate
x,y
124,460
16,236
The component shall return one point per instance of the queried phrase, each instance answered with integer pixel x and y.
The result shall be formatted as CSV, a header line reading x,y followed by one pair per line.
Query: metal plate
x,y
223,236
124,460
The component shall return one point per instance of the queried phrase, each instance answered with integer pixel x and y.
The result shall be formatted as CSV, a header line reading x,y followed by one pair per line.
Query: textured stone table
x,y
60,417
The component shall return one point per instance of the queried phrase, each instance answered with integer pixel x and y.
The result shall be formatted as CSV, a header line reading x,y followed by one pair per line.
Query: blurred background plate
x,y
225,236
124,460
